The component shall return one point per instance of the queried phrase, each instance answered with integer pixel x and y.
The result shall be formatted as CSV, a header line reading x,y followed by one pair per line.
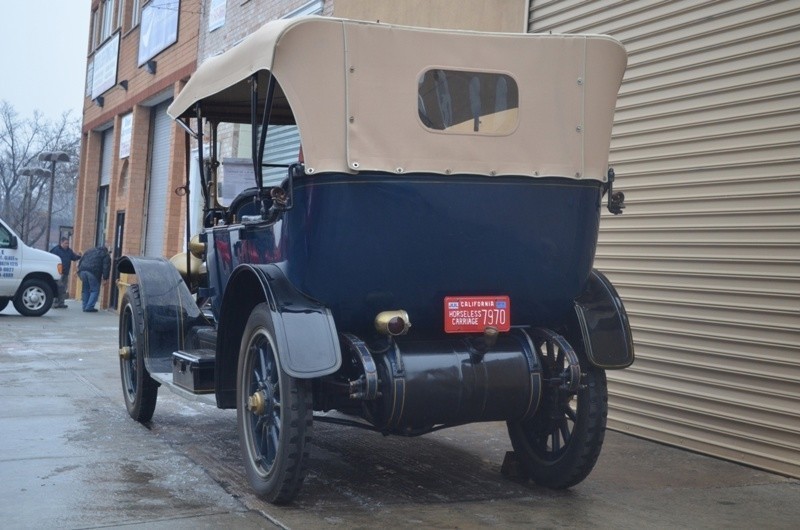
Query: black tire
x,y
274,414
34,298
138,388
559,446
3,303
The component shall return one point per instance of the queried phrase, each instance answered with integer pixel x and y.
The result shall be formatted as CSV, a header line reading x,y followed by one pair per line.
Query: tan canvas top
x,y
361,94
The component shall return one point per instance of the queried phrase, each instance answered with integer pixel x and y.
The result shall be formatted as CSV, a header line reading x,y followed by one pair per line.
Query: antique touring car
x,y
425,261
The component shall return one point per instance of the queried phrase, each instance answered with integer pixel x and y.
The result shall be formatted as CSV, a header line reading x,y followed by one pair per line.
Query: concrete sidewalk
x,y
71,458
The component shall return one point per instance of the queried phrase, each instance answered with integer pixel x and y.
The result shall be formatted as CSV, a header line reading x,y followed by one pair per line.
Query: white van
x,y
28,276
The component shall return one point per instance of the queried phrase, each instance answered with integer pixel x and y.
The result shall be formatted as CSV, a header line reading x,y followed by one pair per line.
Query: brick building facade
x,y
138,60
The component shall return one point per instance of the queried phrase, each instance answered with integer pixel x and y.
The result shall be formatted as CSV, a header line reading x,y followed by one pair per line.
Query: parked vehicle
x,y
28,276
427,261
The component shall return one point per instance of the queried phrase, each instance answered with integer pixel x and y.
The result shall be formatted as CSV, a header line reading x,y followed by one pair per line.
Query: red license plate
x,y
473,314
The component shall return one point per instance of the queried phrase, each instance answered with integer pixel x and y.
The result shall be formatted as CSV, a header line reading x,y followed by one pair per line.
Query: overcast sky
x,y
43,46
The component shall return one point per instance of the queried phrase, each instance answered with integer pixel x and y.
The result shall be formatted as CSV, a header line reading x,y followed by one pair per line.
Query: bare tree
x,y
23,199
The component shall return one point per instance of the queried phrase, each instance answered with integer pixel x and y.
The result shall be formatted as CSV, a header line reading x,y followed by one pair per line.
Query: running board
x,y
194,370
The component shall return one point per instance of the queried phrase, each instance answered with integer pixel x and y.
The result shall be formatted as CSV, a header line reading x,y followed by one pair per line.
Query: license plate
x,y
473,314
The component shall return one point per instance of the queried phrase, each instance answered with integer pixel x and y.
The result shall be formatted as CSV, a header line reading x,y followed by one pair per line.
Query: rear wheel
x,y
559,445
274,414
3,303
34,298
138,388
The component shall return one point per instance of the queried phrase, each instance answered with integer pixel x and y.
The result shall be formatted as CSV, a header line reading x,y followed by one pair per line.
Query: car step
x,y
194,370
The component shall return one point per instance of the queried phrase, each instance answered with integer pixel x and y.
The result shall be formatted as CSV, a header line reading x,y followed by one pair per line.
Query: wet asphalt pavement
x,y
70,457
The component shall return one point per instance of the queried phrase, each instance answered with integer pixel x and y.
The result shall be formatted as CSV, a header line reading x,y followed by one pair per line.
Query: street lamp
x,y
29,171
52,157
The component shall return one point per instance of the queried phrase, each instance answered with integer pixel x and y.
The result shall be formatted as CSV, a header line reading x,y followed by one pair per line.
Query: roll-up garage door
x,y
106,157
106,164
157,194
281,148
706,147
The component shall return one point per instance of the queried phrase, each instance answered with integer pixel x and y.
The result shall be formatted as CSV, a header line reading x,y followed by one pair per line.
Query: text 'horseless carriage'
x,y
426,262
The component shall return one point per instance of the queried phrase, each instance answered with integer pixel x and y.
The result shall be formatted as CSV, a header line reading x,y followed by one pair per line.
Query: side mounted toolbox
x,y
194,370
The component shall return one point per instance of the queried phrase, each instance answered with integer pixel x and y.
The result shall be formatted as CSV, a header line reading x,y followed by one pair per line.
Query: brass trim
x,y
384,318
256,404
196,247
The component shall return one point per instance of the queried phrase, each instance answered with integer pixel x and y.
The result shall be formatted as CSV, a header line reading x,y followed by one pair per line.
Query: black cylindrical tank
x,y
425,383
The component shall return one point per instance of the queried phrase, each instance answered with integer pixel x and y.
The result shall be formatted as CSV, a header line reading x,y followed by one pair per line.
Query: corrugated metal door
x,y
158,194
106,156
706,147
106,164
281,148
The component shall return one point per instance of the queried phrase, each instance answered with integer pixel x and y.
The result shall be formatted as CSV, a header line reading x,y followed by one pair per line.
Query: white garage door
x,y
706,147
158,183
106,162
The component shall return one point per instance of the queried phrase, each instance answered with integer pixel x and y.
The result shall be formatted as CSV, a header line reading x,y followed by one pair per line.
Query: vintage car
x,y
425,261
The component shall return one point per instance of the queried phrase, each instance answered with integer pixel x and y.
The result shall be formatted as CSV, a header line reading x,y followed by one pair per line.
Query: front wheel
x,y
138,388
559,446
274,414
34,298
3,303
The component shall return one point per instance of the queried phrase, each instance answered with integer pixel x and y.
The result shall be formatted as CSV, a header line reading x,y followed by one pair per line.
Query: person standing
x,y
67,256
94,265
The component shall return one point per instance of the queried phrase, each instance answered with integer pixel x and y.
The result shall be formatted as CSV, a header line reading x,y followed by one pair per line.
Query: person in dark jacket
x,y
67,256
94,265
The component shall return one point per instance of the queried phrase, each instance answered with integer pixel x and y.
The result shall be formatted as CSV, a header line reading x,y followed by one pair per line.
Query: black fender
x,y
170,310
305,333
604,325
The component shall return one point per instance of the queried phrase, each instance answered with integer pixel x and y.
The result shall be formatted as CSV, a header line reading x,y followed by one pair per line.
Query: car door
x,y
9,262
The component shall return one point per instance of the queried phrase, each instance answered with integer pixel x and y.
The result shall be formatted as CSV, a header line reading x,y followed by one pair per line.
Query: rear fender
x,y
604,324
170,311
305,333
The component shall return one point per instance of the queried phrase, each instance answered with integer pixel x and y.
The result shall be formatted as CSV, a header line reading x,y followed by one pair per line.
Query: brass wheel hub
x,y
257,403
